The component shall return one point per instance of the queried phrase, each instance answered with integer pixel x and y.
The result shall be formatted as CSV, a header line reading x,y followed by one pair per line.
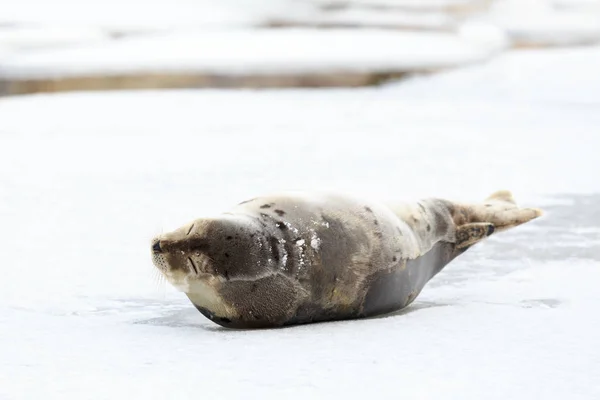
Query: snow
x,y
378,18
538,22
31,38
87,179
424,5
257,51
71,37
132,15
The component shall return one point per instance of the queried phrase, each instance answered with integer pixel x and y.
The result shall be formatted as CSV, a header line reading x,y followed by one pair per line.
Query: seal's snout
x,y
156,247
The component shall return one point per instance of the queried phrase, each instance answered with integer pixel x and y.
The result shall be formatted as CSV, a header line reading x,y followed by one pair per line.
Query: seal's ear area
x,y
469,234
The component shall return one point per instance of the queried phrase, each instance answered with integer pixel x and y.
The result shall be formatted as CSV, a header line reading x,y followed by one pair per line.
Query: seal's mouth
x,y
179,279
189,273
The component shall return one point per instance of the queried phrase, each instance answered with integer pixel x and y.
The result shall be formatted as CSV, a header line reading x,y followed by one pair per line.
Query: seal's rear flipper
x,y
499,212
502,195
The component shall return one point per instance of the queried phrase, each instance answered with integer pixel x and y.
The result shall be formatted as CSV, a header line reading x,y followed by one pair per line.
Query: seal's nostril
x,y
156,247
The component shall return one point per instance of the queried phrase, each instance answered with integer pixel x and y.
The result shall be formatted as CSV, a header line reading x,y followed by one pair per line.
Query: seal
x,y
298,258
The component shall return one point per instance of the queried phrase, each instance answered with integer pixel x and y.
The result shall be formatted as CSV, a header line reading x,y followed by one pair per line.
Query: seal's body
x,y
300,258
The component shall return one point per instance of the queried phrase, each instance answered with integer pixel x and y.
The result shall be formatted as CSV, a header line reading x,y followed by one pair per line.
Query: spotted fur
x,y
300,258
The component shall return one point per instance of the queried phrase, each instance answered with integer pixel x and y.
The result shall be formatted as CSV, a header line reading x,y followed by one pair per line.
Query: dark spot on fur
x,y
428,227
226,275
227,255
281,213
368,209
253,288
229,237
281,226
378,234
488,205
265,206
376,222
394,259
196,244
274,247
252,235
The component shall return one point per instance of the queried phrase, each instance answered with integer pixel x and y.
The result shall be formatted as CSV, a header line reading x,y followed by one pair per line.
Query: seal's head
x,y
180,256
206,256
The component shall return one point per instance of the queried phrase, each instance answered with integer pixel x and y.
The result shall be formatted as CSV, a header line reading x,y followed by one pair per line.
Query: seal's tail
x,y
497,213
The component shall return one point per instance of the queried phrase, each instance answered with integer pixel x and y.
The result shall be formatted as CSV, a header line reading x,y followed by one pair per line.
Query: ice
x,y
32,38
376,18
539,22
130,15
256,52
410,4
87,179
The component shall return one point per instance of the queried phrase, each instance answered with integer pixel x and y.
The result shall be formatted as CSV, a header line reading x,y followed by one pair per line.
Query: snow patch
x,y
255,52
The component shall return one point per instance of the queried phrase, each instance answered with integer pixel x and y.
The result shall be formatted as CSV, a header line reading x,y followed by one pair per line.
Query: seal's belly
x,y
395,288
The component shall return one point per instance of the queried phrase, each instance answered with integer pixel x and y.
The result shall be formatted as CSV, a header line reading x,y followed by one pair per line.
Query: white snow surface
x,y
260,51
133,15
542,22
380,18
33,38
86,179
425,5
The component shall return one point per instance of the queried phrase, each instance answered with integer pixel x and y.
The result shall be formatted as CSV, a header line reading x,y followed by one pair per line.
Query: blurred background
x,y
94,45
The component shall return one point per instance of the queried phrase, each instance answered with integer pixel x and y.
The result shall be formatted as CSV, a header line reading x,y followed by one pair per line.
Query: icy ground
x,y
87,179
239,52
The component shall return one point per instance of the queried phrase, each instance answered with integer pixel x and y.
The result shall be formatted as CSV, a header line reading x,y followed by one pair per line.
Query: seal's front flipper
x,y
469,234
